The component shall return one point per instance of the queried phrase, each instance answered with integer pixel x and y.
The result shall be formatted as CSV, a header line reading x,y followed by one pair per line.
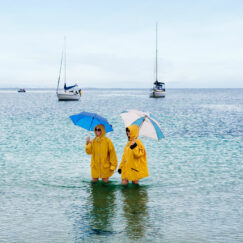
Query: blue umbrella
x,y
89,121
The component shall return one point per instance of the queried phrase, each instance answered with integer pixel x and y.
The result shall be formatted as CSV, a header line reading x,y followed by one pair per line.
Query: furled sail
x,y
69,87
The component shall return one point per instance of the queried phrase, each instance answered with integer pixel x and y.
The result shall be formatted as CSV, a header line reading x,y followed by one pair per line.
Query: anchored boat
x,y
158,90
69,93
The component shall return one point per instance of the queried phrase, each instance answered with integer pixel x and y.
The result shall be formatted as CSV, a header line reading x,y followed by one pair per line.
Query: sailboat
x,y
158,90
69,93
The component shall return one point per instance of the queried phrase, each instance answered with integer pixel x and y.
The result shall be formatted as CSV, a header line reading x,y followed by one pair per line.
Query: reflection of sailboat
x,y
158,90
69,92
135,211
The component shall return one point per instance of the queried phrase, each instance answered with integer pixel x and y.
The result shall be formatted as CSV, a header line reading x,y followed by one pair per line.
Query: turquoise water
x,y
194,192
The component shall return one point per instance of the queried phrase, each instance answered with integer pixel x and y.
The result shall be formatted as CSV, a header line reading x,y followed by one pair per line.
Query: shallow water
x,y
194,192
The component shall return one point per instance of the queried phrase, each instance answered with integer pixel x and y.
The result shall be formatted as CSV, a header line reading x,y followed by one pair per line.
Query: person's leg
x,y
135,182
124,182
105,179
95,179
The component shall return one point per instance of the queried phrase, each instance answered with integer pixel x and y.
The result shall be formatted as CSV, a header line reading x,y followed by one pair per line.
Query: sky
x,y
111,43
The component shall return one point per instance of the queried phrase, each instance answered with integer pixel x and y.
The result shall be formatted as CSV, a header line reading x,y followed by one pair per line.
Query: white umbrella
x,y
148,124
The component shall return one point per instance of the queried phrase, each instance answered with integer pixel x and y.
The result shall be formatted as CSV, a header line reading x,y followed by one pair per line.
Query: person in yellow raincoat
x,y
103,159
133,166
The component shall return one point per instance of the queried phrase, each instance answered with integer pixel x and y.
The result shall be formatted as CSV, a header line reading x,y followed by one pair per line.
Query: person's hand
x,y
87,140
133,141
119,171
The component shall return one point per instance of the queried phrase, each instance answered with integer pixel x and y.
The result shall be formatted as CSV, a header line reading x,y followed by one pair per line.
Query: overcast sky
x,y
111,43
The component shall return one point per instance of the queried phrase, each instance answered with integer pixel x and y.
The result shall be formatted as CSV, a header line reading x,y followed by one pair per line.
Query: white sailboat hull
x,y
157,94
67,96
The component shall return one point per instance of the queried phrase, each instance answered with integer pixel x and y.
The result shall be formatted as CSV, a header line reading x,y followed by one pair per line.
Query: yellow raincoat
x,y
134,160
103,160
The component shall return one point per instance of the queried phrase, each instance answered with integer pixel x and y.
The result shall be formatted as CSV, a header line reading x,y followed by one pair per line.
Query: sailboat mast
x,y
65,60
156,62
60,70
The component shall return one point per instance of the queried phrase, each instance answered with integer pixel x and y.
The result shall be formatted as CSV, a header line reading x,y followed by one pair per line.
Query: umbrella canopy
x,y
148,124
89,121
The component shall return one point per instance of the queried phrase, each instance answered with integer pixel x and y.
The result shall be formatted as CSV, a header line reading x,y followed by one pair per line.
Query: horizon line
x,y
90,88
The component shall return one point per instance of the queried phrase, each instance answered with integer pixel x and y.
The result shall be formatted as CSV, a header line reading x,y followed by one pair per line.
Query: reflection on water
x,y
135,210
93,216
99,217
102,202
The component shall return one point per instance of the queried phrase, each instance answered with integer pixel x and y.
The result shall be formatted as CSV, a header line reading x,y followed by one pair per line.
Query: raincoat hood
x,y
134,132
102,127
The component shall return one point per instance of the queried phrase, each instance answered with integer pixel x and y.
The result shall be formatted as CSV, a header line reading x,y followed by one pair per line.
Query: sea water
x,y
194,192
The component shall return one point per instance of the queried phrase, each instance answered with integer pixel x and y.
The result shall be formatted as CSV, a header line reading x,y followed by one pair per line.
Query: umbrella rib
x,y
91,123
154,126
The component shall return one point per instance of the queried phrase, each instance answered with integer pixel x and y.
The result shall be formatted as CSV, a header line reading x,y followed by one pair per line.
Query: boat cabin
x,y
159,85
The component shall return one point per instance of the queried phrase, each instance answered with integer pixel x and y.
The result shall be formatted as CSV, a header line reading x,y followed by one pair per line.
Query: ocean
x,y
194,192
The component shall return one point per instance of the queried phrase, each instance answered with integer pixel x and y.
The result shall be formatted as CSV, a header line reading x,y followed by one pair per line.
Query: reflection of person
x,y
135,211
103,160
133,166
102,199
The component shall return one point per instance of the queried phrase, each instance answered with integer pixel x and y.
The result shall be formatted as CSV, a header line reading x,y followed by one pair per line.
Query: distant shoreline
x,y
53,89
